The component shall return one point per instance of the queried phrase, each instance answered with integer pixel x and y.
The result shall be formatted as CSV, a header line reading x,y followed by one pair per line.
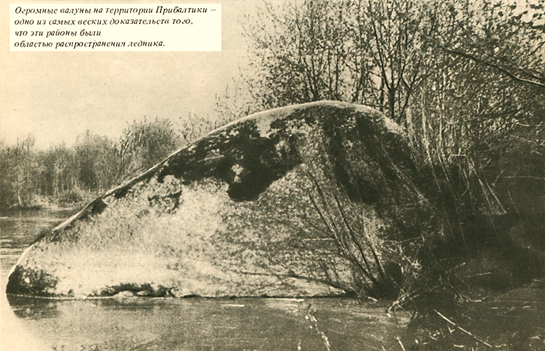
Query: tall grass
x,y
441,227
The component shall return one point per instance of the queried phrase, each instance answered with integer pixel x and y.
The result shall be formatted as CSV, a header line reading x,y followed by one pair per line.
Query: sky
x,y
56,96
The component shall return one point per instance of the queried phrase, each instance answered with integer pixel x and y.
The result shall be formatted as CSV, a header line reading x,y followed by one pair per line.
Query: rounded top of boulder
x,y
287,110
210,218
262,148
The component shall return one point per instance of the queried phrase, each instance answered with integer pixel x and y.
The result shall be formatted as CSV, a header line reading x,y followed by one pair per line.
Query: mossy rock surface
x,y
248,210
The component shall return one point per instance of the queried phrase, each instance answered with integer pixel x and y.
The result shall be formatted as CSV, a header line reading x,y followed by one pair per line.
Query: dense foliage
x,y
467,82
67,175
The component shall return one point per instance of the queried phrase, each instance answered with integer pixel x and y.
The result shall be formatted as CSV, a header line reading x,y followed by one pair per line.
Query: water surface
x,y
184,324
513,321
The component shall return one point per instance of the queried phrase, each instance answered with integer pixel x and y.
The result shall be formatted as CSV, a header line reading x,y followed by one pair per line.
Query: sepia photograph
x,y
272,175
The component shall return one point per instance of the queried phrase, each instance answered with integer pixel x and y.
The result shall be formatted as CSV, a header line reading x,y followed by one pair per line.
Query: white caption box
x,y
115,27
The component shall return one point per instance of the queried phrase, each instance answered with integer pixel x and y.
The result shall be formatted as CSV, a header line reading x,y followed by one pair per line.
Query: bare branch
x,y
540,83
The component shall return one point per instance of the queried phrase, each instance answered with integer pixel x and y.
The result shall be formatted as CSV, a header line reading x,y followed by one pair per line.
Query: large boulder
x,y
281,203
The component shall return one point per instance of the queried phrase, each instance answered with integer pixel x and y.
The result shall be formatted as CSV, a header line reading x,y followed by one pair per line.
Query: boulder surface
x,y
260,207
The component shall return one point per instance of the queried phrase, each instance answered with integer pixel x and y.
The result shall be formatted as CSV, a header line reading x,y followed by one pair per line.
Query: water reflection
x,y
515,321
30,308
199,323
18,229
187,324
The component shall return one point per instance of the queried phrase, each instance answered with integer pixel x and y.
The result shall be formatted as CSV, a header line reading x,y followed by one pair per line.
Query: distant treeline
x,y
65,175
69,175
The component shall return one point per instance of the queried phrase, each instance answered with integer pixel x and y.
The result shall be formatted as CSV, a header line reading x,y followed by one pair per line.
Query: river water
x,y
180,324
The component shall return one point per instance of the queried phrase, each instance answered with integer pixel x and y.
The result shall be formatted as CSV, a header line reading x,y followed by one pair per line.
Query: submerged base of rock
x,y
288,287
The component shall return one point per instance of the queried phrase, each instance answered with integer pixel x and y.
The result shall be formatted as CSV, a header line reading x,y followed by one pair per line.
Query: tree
x,y
458,75
300,53
368,52
97,163
59,172
382,53
506,36
19,167
142,145
465,78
